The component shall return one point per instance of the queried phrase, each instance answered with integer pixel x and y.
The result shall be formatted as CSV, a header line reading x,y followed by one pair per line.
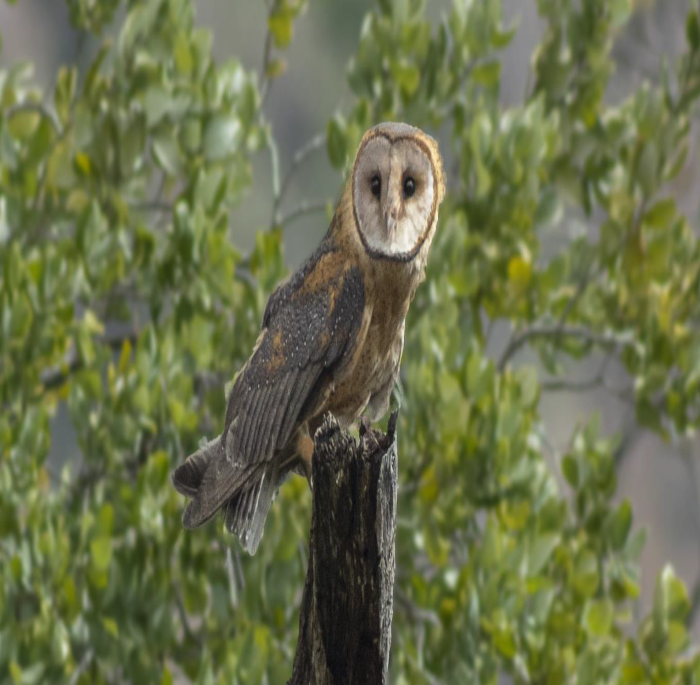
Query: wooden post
x,y
347,605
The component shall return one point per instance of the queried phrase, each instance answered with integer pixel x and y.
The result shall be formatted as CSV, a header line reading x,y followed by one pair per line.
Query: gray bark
x,y
347,605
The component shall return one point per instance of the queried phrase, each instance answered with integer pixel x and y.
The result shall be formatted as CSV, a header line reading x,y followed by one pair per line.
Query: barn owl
x,y
331,337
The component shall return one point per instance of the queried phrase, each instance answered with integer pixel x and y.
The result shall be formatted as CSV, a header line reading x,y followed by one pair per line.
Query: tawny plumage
x,y
331,337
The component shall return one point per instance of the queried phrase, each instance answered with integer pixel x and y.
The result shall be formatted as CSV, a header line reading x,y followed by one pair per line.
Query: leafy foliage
x,y
122,295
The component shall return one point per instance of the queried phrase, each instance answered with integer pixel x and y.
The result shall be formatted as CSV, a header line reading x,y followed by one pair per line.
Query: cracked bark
x,y
347,605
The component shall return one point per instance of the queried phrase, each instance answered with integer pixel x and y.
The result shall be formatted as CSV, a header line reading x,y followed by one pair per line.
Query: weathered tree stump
x,y
347,605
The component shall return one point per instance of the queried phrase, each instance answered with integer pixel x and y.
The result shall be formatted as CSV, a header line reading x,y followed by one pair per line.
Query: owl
x,y
331,337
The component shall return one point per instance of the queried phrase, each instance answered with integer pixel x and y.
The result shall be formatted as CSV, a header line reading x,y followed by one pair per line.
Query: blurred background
x,y
660,480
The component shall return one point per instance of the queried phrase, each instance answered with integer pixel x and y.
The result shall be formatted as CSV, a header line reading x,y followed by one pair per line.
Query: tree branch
x,y
264,78
81,667
560,384
557,331
347,605
301,154
55,377
689,457
301,210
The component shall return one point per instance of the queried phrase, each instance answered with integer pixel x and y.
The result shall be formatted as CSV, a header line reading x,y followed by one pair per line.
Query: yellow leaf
x,y
125,356
110,626
15,672
428,487
519,271
82,163
275,68
92,323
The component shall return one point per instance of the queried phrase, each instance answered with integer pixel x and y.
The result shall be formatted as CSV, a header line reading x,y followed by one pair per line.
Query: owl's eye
x,y
375,185
409,186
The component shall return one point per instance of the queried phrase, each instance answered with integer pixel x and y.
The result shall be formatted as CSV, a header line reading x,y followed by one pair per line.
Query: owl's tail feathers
x,y
247,511
214,482
188,477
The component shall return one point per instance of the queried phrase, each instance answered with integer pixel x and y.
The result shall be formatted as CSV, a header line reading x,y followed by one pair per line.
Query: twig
x,y
57,376
152,206
629,440
275,166
694,602
264,78
557,331
184,620
489,330
316,143
231,578
559,384
82,666
689,459
303,209
580,290
413,611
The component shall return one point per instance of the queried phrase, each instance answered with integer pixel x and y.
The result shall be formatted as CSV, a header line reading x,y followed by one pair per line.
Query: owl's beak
x,y
391,221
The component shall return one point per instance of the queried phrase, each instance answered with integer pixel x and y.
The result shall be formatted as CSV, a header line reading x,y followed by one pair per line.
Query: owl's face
x,y
397,185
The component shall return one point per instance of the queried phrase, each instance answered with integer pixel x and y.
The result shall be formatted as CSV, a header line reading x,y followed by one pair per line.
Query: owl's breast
x,y
369,378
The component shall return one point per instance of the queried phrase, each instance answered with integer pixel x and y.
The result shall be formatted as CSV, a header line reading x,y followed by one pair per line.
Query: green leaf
x,y
167,154
157,103
647,169
586,575
661,214
487,74
671,601
569,468
64,93
618,525
336,141
101,552
182,53
549,209
692,30
540,551
105,520
406,76
526,378
23,123
222,136
598,617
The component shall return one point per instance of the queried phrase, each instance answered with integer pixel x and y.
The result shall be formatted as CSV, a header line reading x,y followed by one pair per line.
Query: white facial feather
x,y
391,221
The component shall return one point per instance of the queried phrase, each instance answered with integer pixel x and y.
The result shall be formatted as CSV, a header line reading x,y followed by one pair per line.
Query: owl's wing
x,y
308,331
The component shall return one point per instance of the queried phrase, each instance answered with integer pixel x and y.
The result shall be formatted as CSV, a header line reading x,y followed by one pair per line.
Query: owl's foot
x,y
366,433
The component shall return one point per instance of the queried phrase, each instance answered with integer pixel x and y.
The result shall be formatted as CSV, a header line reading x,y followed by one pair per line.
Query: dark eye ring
x,y
375,185
409,186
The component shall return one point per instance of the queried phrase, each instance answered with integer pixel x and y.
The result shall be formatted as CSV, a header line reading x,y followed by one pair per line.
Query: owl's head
x,y
398,183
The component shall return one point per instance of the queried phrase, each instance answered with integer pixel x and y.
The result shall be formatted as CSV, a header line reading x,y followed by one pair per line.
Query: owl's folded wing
x,y
309,330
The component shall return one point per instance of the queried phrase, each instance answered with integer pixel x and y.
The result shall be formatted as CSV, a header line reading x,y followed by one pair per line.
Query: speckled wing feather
x,y
308,329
